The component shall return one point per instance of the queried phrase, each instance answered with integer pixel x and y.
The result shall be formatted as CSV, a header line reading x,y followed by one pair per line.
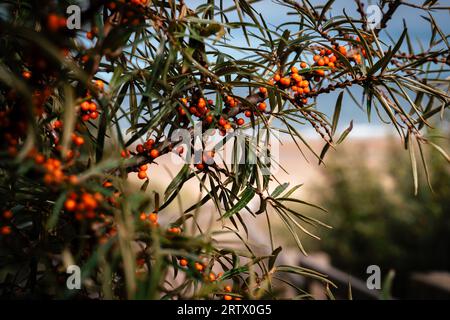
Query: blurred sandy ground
x,y
298,171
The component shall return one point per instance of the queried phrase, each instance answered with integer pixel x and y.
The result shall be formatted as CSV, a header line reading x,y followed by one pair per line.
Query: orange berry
x,y
89,201
5,230
263,90
316,57
200,166
53,22
26,75
142,175
342,50
100,84
222,122
89,35
262,106
294,69
93,115
285,81
7,214
70,205
153,217
144,167
321,62
320,72
154,153
333,58
227,297
199,266
39,158
303,65
227,289
139,148
57,124
212,277
277,77
240,121
201,103
107,184
73,179
183,262
78,140
143,216
248,113
124,153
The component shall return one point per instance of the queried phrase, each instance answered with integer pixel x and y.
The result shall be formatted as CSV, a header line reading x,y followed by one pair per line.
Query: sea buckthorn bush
x,y
84,112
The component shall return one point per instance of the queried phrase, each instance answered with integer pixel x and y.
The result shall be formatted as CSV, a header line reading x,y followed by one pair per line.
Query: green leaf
x,y
279,189
245,197
57,207
337,112
176,184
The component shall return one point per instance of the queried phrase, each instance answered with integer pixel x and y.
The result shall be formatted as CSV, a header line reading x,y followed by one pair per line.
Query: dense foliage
x,y
84,111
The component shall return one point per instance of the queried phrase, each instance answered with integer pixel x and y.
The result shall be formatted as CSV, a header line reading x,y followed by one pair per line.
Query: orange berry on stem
x,y
7,214
26,74
5,230
142,175
262,106
139,148
240,121
285,81
143,216
93,115
199,266
183,262
154,153
153,217
70,205
303,65
222,122
248,113
342,50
